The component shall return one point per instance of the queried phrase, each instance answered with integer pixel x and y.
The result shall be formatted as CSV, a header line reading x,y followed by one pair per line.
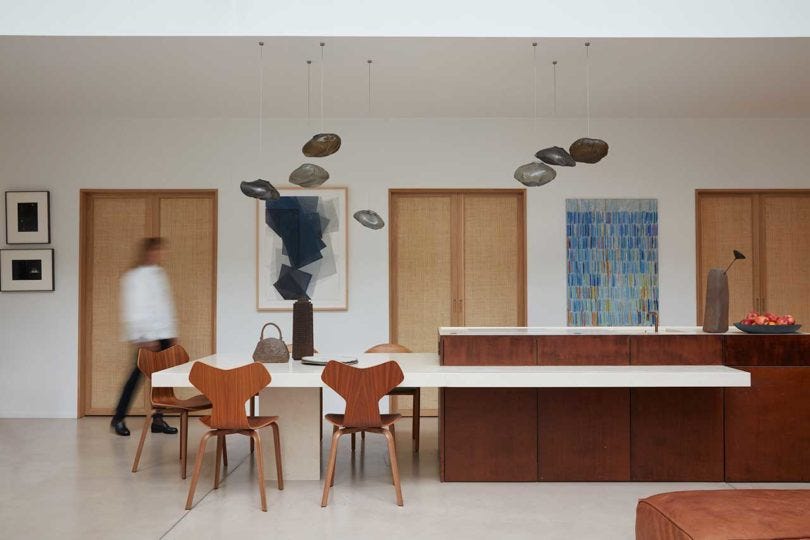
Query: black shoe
x,y
159,425
120,427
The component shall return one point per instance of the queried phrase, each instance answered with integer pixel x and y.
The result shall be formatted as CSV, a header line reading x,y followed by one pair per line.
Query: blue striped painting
x,y
612,257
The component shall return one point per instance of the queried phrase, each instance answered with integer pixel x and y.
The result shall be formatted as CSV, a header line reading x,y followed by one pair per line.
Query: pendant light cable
x,y
261,96
554,70
309,89
534,95
369,86
322,66
587,90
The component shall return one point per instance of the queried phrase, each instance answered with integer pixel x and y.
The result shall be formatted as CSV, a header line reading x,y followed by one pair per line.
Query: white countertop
x,y
574,330
423,370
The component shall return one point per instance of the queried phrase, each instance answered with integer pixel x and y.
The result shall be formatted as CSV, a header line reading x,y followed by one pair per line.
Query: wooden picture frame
x,y
28,217
329,291
26,270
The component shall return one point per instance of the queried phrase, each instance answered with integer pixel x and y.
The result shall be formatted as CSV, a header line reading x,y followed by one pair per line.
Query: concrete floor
x,y
71,479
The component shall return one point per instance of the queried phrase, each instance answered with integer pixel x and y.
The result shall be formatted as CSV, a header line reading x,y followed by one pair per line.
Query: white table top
x,y
575,330
423,370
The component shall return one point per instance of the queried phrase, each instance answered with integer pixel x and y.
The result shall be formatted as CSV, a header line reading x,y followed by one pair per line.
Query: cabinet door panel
x,y
726,222
494,266
116,225
768,427
421,279
786,255
490,434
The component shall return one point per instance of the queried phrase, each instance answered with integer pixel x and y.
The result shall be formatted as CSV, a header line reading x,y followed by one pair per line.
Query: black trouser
x,y
132,385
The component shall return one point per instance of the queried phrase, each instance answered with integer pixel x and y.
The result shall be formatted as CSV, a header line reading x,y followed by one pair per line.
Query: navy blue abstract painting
x,y
302,249
612,261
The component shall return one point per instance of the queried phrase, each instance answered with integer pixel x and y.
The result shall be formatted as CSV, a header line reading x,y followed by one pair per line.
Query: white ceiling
x,y
412,77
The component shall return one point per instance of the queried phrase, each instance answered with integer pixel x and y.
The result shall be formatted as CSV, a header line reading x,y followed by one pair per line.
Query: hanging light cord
x,y
322,62
587,90
534,95
261,96
554,68
369,87
309,88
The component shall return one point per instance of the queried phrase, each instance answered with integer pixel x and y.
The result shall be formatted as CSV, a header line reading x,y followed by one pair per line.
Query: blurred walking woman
x,y
149,321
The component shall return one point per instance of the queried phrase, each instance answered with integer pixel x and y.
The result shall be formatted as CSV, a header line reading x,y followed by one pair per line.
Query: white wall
x,y
665,159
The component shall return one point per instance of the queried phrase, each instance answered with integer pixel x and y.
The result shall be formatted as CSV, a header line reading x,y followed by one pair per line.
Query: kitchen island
x,y
295,389
674,433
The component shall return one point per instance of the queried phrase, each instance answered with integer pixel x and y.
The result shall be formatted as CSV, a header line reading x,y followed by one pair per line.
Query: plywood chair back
x,y
362,388
151,361
228,390
388,348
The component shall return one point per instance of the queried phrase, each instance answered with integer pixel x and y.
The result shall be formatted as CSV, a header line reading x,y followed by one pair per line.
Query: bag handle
x,y
261,336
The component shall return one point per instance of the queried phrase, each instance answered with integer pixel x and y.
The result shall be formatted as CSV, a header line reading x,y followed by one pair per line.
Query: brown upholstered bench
x,y
739,514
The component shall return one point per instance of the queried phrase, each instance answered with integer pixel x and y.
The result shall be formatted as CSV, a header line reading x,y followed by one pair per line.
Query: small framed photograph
x,y
26,270
28,217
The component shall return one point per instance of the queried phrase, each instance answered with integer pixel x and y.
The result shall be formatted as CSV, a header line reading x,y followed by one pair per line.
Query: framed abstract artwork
x,y
612,261
302,248
28,219
26,270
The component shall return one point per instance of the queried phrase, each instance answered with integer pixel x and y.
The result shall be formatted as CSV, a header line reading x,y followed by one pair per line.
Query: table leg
x,y
299,412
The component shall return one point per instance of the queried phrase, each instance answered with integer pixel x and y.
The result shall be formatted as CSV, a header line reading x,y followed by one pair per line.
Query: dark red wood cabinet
x,y
761,433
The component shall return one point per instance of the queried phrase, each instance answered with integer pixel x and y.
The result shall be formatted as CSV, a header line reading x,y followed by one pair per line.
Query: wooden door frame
x,y
427,192
758,234
85,226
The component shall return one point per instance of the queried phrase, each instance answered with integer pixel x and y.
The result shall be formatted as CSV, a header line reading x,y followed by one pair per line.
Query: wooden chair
x,y
415,393
362,388
165,401
228,390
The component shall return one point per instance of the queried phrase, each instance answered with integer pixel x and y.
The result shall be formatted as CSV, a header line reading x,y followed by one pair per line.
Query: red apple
x,y
760,319
790,319
747,321
751,315
781,321
771,316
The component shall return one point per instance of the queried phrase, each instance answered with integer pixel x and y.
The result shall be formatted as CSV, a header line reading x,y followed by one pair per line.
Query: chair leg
x,y
353,441
225,452
363,435
254,435
220,438
197,467
417,418
330,469
146,422
277,445
183,443
392,453
252,413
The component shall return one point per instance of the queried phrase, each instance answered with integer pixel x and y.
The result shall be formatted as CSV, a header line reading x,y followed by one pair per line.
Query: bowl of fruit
x,y
768,323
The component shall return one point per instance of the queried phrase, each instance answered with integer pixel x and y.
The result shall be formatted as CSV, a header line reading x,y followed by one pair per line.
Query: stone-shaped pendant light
x,y
369,219
322,145
555,155
587,150
260,189
534,174
309,175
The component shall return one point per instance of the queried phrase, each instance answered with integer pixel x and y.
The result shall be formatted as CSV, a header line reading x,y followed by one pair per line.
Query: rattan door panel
x,y
116,225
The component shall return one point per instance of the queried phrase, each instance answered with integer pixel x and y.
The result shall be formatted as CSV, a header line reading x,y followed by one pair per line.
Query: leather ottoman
x,y
739,514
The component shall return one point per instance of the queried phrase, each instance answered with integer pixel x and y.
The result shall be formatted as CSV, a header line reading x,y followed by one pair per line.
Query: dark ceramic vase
x,y
715,314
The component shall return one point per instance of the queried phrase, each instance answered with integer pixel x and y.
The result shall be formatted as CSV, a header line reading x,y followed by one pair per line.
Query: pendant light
x,y
586,149
309,175
322,144
369,218
260,189
534,174
554,155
